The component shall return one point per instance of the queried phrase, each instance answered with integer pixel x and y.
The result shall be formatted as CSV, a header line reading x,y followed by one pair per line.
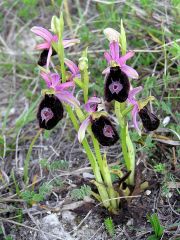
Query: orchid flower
x,y
48,39
104,131
117,85
74,70
50,112
101,126
113,58
133,101
53,82
149,120
91,107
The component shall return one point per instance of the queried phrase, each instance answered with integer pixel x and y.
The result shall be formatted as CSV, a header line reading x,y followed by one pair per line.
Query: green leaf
x,y
38,197
155,223
79,194
109,225
27,195
152,237
45,189
79,82
122,39
8,238
27,116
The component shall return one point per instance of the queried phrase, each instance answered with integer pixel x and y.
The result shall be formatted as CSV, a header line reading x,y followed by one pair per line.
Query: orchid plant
x,y
91,117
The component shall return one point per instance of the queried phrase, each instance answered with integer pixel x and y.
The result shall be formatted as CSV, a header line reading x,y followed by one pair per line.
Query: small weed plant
x,y
80,193
109,225
158,229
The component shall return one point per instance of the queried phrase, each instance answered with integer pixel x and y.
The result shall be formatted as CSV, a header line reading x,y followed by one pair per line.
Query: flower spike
x,y
114,59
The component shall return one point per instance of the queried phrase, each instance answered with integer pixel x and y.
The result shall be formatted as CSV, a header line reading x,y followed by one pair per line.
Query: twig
x,y
172,208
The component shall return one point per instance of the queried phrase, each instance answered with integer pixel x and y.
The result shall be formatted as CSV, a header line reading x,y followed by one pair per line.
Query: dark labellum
x,y
149,120
116,85
104,131
43,57
50,112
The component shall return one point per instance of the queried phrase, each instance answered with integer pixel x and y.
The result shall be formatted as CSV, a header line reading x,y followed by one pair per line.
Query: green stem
x,y
127,110
131,154
101,163
85,78
101,188
61,48
126,143
28,156
68,15
83,66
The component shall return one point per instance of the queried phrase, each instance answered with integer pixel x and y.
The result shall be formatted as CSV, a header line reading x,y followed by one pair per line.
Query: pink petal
x,y
70,42
133,101
72,66
106,71
68,98
90,105
49,57
107,57
134,91
55,80
82,129
129,71
122,60
134,117
63,86
46,77
42,32
44,45
114,50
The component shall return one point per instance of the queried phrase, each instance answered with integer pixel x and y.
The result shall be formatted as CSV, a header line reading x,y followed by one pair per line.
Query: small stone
x,y
88,175
148,192
88,199
130,222
52,227
68,216
169,194
166,121
51,219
